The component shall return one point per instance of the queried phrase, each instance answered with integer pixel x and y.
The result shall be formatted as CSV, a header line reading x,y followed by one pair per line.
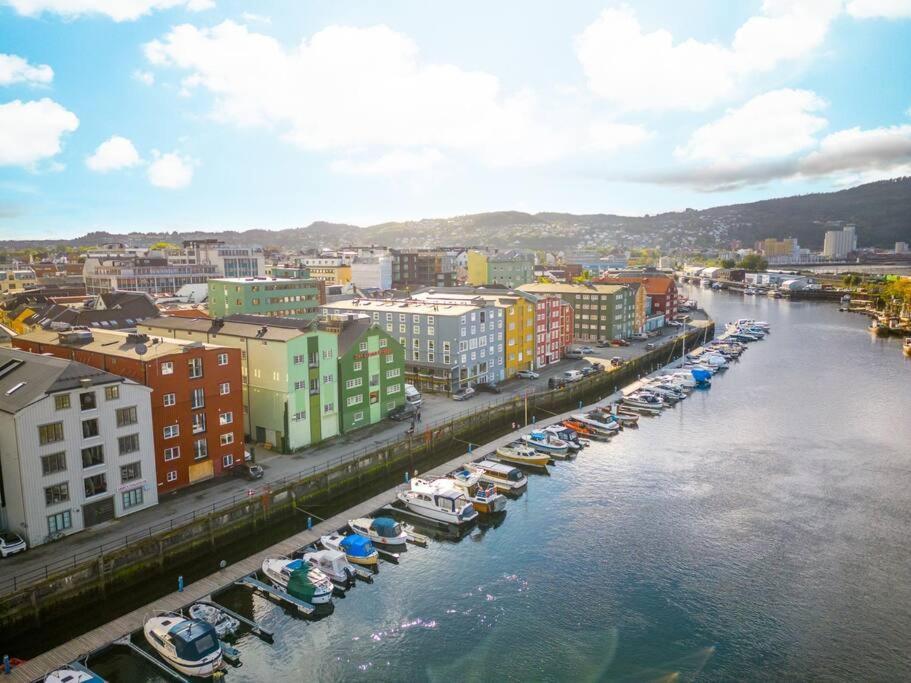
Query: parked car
x,y
489,387
413,396
463,394
404,412
249,470
639,336
619,342
556,383
527,374
597,367
616,362
604,343
11,543
674,323
572,375
651,346
574,353
586,349
586,371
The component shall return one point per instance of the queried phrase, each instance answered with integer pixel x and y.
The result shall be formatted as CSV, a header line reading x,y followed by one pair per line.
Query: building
x,y
329,269
109,311
15,280
372,272
415,268
901,248
599,311
660,289
667,263
641,305
839,243
72,451
154,275
553,329
509,269
284,297
196,398
289,372
772,248
229,260
449,342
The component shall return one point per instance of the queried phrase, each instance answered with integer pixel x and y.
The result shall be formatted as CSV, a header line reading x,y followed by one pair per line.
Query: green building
x,y
292,271
271,296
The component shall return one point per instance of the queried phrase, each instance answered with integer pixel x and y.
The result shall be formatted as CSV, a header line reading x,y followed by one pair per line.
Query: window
x,y
390,359
58,493
415,355
227,460
170,399
50,433
314,385
87,401
224,388
126,416
313,359
199,423
354,400
195,368
200,449
300,384
55,462
223,359
358,416
226,418
171,453
299,359
382,342
128,444
93,455
430,330
327,379
297,417
172,475
111,393
329,407
89,428
362,347
132,498
170,431
197,399
59,522
130,472
393,373
167,368
354,383
61,401
226,438
358,366
393,388
95,485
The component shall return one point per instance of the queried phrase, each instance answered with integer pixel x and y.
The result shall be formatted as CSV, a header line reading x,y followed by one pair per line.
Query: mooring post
x,y
7,668
309,523
180,584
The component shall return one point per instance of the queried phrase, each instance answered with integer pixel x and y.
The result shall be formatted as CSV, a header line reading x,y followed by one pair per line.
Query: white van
x,y
413,396
574,353
572,375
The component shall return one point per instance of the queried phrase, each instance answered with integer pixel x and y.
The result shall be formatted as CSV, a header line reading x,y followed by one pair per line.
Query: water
x,y
760,530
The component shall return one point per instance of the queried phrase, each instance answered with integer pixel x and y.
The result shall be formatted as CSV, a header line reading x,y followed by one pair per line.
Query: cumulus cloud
x,y
858,150
171,170
113,154
145,77
606,136
886,9
118,10
32,131
15,69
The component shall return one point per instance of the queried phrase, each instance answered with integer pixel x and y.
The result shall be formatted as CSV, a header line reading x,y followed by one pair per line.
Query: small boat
x,y
505,478
69,675
189,646
223,623
333,564
749,291
580,429
483,496
547,443
380,530
755,323
601,425
625,417
437,503
880,329
520,454
906,347
566,434
357,549
298,579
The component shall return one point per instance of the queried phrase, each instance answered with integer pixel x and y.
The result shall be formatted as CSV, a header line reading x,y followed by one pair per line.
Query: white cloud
x,y
113,154
887,9
31,131
15,69
146,77
250,17
171,170
775,124
396,161
118,10
876,150
639,70
608,137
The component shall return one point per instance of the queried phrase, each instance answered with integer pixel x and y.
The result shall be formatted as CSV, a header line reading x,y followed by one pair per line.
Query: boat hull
x,y
203,668
528,460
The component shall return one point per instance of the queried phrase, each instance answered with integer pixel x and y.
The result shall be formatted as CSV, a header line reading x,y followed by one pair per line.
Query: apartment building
x,y
553,329
75,449
330,269
229,260
508,268
599,311
151,274
289,373
449,342
839,243
372,272
272,296
414,268
660,289
196,403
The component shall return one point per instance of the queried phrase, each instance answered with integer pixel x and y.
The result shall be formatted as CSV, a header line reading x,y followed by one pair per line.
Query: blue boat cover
x,y
295,564
383,524
358,546
701,375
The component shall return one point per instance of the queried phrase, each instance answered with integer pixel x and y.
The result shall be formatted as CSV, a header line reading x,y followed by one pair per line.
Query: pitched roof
x,y
243,326
654,284
561,288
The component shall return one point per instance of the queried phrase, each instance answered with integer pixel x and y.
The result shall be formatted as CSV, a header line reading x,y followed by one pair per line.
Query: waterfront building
x,y
288,373
15,280
372,272
839,243
449,342
75,450
509,269
196,405
599,311
775,248
414,268
553,329
660,289
284,297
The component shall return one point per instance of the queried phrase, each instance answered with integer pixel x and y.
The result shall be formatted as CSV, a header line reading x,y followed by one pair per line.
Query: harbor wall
x,y
65,591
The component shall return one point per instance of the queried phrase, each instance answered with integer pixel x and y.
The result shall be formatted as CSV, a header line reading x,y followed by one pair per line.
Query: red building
x,y
553,329
661,289
197,403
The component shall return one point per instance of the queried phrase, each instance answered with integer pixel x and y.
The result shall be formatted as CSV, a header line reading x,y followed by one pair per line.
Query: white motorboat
x,y
749,291
520,454
639,404
603,426
223,623
438,503
667,391
566,434
357,548
684,378
755,323
189,646
483,496
299,579
380,530
505,478
70,675
547,443
333,564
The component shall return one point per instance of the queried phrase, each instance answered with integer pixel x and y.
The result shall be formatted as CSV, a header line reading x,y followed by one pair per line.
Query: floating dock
x,y
280,595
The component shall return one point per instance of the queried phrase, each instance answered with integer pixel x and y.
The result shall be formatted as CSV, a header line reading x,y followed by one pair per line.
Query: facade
x,y
599,311
285,297
230,261
17,280
415,268
289,372
901,247
153,275
660,289
449,343
509,269
771,247
839,243
553,329
372,272
640,298
75,450
196,398
329,269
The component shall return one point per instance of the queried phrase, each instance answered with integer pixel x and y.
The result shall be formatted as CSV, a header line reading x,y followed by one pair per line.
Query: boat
x,y
483,496
223,623
566,434
749,291
71,675
442,505
189,646
298,579
906,347
505,478
625,417
602,426
357,549
547,443
644,399
520,454
580,429
880,329
380,530
333,564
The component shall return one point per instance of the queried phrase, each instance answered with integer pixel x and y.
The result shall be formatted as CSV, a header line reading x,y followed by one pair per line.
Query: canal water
x,y
760,530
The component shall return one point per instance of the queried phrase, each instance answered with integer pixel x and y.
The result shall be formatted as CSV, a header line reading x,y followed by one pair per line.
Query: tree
x,y
754,262
162,246
728,263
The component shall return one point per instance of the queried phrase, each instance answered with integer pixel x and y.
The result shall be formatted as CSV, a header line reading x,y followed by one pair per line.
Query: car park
x,y
527,374
463,394
404,412
11,544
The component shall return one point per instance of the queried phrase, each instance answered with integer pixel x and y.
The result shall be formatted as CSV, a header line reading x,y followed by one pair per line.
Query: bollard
x,y
180,584
7,668
469,447
309,522
534,418
580,405
406,476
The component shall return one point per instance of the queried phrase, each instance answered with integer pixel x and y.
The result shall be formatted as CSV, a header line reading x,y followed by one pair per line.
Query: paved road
x,y
435,409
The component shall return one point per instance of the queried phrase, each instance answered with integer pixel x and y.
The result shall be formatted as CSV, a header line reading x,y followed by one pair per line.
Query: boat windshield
x,y
387,527
515,475
195,641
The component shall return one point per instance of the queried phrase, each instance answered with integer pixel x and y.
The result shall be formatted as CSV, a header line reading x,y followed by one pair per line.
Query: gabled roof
x,y
654,284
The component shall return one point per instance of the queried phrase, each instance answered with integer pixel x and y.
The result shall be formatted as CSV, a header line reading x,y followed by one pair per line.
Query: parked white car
x,y
527,374
11,543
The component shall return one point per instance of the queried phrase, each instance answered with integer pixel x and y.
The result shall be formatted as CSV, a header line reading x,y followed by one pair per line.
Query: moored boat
x,y
70,675
223,623
906,347
566,434
380,530
506,478
547,443
357,549
520,454
601,425
483,496
333,564
189,646
299,579
439,504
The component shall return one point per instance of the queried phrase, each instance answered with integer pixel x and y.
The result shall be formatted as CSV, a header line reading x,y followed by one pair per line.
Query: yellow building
x,y
18,280
640,300
332,275
773,247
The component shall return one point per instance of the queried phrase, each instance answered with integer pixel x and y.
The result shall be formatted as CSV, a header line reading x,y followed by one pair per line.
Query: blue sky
x,y
210,114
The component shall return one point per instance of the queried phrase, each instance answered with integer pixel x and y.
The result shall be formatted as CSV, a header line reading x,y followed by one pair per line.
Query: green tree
x,y
754,262
162,246
728,263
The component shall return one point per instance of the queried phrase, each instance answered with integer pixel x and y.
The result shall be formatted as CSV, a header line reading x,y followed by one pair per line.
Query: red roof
x,y
655,285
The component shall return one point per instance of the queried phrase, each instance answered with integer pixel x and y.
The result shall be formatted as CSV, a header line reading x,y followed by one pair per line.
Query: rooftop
x,y
561,288
115,343
264,327
259,279
447,306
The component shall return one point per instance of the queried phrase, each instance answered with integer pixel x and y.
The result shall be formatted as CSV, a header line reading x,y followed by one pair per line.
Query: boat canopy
x,y
357,546
386,527
701,375
538,434
193,640
299,583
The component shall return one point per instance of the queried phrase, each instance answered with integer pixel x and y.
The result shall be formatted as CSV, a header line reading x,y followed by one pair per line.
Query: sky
x,y
127,115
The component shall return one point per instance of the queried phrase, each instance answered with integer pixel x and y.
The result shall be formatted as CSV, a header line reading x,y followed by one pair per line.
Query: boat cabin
x,y
192,640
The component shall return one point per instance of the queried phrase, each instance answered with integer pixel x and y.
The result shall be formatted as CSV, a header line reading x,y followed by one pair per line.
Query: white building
x,y
229,260
372,272
75,447
901,247
839,243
